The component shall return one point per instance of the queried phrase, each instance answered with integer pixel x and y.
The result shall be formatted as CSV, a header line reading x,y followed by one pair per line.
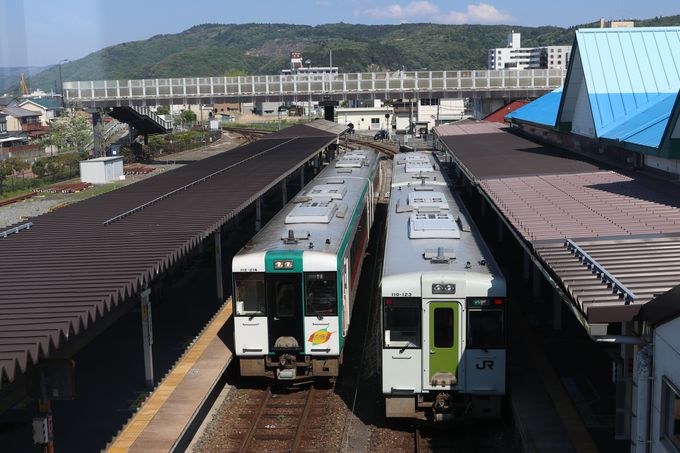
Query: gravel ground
x,y
43,203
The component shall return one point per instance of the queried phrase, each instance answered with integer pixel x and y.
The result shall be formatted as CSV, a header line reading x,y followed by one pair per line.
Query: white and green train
x,y
443,303
295,281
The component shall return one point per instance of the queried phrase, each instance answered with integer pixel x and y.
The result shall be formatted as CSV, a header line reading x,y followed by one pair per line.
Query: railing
x,y
608,279
314,84
151,114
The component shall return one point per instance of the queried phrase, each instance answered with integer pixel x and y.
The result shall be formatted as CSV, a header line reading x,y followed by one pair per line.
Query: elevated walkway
x,y
142,119
502,84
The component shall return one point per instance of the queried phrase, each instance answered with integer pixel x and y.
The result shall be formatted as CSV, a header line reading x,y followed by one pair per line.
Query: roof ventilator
x,y
295,236
439,256
617,287
16,229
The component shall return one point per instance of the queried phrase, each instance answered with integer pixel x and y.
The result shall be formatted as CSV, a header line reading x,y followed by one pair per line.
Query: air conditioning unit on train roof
x,y
315,211
419,167
427,200
433,226
327,191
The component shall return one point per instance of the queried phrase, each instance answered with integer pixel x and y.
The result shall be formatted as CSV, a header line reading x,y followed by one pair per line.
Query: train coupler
x,y
287,367
441,408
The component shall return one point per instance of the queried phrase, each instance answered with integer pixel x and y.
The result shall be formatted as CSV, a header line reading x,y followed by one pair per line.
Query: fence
x,y
23,182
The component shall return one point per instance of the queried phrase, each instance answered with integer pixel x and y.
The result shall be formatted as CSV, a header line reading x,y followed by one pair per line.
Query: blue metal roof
x,y
647,127
541,111
627,72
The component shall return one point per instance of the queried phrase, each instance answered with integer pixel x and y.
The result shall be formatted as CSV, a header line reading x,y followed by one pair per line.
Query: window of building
x,y
375,122
670,414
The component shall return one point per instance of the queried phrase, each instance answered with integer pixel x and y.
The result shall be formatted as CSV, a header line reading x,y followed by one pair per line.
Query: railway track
x,y
388,150
281,421
249,135
254,134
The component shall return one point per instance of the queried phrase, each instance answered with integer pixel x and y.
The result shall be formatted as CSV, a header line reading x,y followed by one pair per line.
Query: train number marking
x,y
248,270
401,294
485,364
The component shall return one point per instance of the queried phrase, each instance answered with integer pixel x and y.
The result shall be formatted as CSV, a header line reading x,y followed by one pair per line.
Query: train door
x,y
442,321
284,312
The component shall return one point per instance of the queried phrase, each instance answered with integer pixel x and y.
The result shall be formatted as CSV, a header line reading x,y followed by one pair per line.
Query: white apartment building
x,y
514,56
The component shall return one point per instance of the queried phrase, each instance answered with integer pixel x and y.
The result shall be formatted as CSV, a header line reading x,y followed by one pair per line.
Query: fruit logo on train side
x,y
320,336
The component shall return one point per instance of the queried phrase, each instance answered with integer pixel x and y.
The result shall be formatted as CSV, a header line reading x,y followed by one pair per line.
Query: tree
x,y
187,117
5,171
70,132
163,110
235,73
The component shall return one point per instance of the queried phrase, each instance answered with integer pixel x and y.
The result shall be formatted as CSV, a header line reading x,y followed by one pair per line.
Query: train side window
x,y
250,299
402,322
485,329
321,298
443,328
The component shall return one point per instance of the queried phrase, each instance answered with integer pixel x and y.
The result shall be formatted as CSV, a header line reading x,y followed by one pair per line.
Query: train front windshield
x,y
250,294
321,294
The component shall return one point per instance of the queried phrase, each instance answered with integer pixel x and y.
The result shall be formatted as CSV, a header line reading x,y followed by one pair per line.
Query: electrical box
x,y
40,430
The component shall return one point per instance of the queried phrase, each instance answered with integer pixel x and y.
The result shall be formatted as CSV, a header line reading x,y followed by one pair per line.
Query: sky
x,y
44,32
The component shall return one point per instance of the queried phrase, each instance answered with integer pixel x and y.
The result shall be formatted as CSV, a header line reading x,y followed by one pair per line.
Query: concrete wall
x,y
661,164
666,365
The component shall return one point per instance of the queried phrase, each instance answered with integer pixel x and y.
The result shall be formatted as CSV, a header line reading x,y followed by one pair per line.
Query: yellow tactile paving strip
x,y
160,395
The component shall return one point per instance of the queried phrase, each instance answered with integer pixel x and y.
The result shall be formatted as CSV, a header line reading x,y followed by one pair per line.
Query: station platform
x,y
172,410
543,414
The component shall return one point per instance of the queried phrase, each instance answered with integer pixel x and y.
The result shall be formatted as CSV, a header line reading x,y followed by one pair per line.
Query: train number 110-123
x,y
401,294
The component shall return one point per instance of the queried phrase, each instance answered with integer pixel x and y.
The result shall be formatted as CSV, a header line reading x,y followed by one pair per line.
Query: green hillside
x,y
216,49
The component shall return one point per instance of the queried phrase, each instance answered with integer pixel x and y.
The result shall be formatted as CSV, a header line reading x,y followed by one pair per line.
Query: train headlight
x,y
443,288
283,264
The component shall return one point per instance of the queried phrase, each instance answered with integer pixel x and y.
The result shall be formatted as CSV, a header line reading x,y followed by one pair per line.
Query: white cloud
x,y
481,13
397,11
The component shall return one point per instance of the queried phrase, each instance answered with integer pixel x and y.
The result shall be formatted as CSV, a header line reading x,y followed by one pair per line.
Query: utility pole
x,y
61,83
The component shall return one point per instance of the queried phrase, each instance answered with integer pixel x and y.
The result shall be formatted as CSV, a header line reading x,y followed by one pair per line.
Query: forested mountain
x,y
217,49
9,76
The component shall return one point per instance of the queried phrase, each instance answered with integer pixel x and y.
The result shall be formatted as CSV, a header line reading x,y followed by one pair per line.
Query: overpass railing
x,y
314,84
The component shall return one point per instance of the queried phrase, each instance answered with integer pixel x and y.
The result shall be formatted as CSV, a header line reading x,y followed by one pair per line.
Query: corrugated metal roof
x,y
18,112
499,115
467,127
627,70
585,205
485,151
646,266
72,267
647,127
541,111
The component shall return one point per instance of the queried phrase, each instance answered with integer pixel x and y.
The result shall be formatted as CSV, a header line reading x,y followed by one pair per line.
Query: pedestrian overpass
x,y
493,85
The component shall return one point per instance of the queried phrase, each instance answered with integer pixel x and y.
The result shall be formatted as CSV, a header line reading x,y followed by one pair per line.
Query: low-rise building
x,y
21,120
366,118
514,56
102,170
656,416
48,108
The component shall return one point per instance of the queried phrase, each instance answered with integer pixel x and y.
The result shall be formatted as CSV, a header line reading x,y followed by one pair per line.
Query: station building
x,y
619,101
584,183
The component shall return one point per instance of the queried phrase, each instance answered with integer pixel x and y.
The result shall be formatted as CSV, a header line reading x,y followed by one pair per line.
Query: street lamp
x,y
61,82
308,62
